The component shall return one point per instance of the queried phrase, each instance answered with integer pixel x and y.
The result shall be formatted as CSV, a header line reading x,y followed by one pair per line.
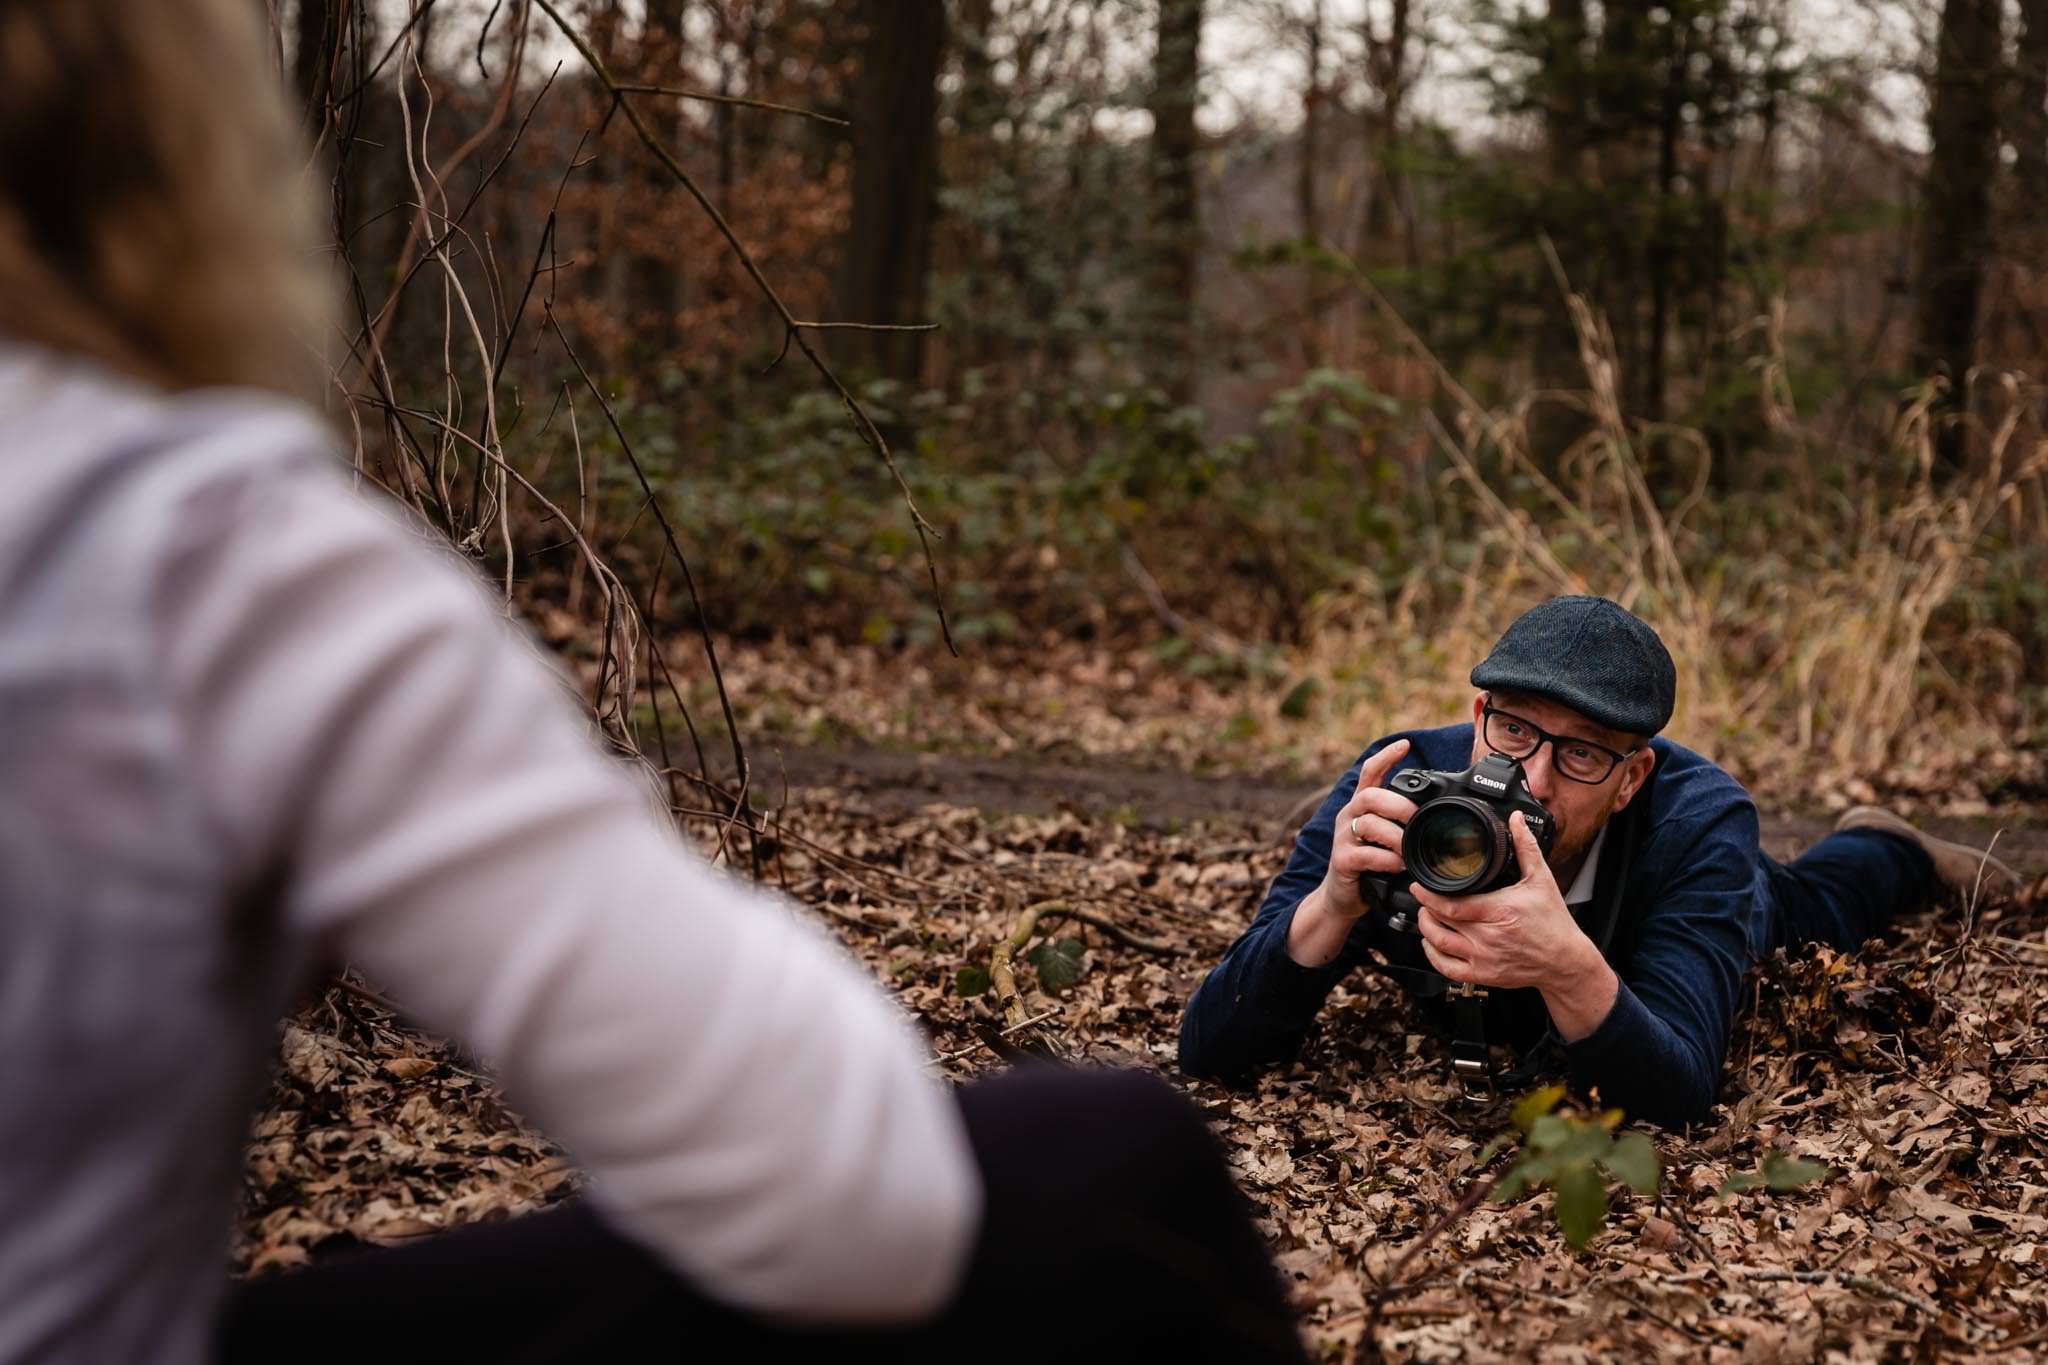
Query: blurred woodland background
x,y
1261,357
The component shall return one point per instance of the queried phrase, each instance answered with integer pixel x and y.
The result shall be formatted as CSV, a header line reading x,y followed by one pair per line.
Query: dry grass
x,y
1803,645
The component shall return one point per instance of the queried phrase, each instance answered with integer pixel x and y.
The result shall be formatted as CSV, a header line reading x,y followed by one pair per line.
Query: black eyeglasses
x,y
1581,760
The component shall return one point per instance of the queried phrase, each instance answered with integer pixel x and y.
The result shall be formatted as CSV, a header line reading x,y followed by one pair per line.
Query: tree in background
x,y
888,244
2027,120
1308,151
1955,234
1043,263
316,40
1176,218
1560,40
1387,68
1650,187
1738,206
655,278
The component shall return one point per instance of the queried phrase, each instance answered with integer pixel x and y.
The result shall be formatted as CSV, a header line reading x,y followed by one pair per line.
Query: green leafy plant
x,y
1058,962
1575,1155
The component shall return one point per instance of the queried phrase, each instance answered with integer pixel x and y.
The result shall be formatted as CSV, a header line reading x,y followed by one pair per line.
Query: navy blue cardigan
x,y
1695,914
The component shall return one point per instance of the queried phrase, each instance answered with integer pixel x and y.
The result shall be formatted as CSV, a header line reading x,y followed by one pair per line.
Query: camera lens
x,y
1454,845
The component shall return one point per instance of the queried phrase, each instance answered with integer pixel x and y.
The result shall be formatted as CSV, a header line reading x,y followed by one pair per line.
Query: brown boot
x,y
1962,869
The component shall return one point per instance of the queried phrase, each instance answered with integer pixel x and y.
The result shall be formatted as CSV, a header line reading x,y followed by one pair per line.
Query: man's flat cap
x,y
1589,654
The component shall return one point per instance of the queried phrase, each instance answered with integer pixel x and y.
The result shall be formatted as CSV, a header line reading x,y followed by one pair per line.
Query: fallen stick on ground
x,y
1002,973
960,1052
1847,1279
1051,910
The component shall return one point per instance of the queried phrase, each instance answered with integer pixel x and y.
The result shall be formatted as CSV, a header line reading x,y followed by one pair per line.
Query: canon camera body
x,y
1458,843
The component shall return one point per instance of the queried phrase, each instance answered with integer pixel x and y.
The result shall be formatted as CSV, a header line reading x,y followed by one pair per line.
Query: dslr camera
x,y
1458,843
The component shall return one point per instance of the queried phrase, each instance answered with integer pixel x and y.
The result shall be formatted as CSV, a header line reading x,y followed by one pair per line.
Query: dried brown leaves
x,y
1917,1070
374,1133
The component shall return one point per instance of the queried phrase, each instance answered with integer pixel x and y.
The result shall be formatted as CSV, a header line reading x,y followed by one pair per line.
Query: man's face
x,y
1578,809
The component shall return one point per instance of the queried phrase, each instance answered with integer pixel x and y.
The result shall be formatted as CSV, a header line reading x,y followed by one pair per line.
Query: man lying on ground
x,y
1619,954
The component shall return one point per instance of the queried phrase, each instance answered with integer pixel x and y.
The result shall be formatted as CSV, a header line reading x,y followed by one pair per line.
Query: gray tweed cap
x,y
1590,654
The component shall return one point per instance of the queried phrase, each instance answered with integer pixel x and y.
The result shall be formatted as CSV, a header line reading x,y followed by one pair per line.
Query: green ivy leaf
x,y
969,982
1634,1161
1581,1204
1058,963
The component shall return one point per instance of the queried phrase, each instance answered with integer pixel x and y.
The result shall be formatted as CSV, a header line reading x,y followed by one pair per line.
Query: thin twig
x,y
1479,1190
1653,1315
1052,910
668,531
1869,1284
868,326
980,1043
364,993
769,105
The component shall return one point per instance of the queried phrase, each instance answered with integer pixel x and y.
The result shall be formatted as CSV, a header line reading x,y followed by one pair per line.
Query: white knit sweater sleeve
x,y
748,1103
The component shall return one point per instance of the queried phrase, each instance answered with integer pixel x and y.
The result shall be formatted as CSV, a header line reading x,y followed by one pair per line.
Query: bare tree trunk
x,y
1176,210
313,47
1955,230
1307,190
2028,131
1310,146
1386,64
971,342
614,170
895,182
1554,425
1564,123
723,124
1621,152
656,279
1661,259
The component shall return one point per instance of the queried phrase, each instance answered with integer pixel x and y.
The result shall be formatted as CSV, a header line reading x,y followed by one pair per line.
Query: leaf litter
x,y
1913,1075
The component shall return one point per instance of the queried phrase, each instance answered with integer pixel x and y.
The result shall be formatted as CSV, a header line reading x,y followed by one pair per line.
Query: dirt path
x,y
896,782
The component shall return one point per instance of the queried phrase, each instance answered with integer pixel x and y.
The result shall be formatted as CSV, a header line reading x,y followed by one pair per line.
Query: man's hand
x,y
1521,935
1366,838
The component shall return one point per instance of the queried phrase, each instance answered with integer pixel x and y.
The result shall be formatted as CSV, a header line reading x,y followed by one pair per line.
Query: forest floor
x,y
1917,1070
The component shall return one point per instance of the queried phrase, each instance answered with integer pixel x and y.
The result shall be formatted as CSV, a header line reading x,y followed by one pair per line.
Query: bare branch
x,y
868,326
769,105
732,725
862,423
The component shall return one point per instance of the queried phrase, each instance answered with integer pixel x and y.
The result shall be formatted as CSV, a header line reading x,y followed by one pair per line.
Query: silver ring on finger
x,y
1360,838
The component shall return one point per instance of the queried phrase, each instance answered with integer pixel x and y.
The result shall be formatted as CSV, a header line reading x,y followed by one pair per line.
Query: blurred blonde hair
x,y
153,212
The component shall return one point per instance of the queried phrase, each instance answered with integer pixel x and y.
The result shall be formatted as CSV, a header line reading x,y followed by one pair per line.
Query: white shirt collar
x,y
1582,885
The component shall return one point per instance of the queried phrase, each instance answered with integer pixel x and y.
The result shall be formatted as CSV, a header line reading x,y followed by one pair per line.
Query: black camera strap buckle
x,y
1471,1059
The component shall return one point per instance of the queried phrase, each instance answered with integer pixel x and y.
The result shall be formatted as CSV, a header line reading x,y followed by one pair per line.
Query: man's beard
x,y
1573,840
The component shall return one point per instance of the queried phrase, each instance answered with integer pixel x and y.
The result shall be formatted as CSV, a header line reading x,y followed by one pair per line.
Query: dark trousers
x,y
1848,888
1112,1232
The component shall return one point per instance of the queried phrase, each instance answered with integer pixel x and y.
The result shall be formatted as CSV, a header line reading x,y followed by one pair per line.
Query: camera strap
x,y
1471,1058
